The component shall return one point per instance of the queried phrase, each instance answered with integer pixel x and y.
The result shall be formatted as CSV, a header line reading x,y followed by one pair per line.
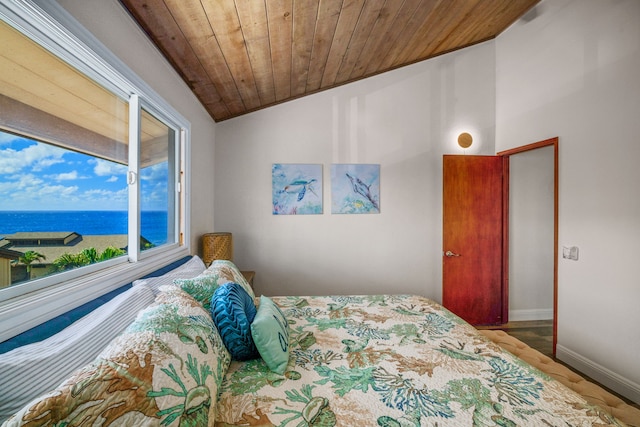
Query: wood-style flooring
x,y
538,334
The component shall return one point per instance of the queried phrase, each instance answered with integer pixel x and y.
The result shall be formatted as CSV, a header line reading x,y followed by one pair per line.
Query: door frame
x,y
505,236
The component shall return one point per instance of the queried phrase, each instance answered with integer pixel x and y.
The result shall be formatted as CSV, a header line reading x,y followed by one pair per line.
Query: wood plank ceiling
x,y
239,56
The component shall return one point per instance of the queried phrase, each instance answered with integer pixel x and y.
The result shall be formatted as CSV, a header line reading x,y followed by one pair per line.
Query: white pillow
x,y
188,270
31,370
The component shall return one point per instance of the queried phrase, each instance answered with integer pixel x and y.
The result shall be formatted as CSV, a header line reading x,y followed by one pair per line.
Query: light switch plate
x,y
570,252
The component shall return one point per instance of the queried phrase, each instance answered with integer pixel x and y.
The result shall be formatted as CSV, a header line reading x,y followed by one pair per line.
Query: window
x,y
91,161
157,178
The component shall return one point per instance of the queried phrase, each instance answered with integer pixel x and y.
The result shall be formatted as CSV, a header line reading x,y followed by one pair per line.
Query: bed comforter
x,y
393,361
352,361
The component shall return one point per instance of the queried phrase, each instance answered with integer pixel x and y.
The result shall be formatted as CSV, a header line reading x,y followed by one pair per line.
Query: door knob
x,y
451,254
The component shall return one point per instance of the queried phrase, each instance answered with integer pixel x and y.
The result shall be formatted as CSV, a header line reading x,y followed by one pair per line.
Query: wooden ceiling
x,y
239,56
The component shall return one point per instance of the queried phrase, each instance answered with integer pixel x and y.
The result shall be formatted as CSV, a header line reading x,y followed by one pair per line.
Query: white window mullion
x,y
181,205
133,178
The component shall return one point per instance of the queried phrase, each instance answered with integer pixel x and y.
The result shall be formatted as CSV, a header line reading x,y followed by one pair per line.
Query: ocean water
x,y
154,223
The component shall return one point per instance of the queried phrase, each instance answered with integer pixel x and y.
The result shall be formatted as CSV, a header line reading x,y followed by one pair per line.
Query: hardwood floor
x,y
538,334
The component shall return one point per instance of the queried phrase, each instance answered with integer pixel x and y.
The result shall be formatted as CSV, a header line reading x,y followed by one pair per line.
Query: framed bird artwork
x,y
355,189
296,189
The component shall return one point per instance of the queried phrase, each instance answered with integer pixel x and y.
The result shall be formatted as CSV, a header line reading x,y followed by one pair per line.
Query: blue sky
x,y
38,176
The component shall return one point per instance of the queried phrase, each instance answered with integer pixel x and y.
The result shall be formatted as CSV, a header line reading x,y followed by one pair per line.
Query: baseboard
x,y
535,314
608,378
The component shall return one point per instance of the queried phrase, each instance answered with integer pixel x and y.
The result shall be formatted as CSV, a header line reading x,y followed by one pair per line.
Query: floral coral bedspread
x,y
393,361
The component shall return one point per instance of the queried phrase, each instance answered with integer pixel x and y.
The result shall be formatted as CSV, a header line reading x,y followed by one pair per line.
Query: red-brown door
x,y
472,238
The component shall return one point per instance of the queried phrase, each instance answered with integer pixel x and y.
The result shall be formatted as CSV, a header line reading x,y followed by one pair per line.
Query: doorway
x,y
463,301
531,229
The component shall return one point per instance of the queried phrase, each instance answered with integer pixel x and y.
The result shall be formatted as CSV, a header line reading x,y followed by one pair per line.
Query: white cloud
x,y
34,157
24,186
30,192
25,182
155,172
105,168
45,163
106,198
59,191
66,176
6,138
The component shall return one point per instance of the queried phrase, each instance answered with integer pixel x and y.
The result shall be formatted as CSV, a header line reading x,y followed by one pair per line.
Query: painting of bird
x,y
355,188
362,189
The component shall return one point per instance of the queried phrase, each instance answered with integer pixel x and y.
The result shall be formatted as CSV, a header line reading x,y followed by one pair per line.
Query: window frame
x,y
33,303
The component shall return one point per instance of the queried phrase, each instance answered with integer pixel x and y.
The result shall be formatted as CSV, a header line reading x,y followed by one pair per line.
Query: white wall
x,y
531,234
572,72
404,120
114,27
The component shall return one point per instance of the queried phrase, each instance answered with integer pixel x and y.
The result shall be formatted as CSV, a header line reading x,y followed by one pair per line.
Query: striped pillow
x,y
164,369
188,270
31,370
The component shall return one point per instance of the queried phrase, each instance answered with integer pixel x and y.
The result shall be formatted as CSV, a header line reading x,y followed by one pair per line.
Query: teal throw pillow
x,y
233,310
270,332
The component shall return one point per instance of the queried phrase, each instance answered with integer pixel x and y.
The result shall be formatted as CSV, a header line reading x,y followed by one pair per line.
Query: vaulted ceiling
x,y
239,56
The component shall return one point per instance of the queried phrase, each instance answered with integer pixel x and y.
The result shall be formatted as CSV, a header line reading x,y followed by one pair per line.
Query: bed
x,y
378,360
393,360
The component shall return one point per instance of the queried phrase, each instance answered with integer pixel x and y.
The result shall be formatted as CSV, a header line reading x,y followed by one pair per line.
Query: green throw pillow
x,y
201,288
226,271
270,332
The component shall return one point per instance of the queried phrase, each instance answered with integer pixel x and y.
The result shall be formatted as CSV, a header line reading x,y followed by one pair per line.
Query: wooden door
x,y
472,238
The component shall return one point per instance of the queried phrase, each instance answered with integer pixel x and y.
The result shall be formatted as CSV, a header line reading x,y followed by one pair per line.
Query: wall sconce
x,y
217,246
465,140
